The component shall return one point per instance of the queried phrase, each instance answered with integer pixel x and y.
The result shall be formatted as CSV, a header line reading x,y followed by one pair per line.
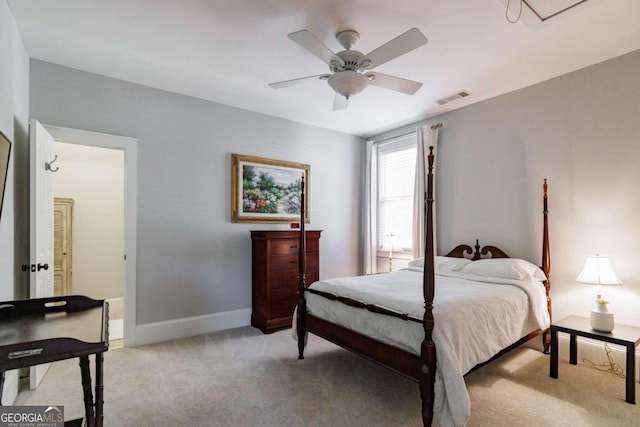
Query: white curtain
x,y
370,240
427,136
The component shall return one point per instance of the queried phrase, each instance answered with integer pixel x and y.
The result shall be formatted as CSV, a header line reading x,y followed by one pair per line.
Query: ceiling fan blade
x,y
340,102
402,44
308,41
395,83
295,82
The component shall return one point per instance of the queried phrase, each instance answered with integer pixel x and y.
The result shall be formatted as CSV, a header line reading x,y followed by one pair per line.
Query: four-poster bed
x,y
352,322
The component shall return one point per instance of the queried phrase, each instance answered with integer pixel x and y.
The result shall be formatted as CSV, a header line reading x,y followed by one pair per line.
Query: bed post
x,y
302,302
546,264
428,349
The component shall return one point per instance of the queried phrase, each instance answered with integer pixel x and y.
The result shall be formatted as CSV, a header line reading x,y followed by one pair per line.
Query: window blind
x,y
396,176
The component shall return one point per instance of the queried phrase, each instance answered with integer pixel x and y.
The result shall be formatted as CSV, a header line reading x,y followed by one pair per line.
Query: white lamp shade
x,y
597,271
388,243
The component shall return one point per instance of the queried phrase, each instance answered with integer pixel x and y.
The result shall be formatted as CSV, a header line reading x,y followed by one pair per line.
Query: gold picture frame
x,y
5,153
267,190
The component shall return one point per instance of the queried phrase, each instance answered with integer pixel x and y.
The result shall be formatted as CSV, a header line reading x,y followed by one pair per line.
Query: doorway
x,y
88,190
90,153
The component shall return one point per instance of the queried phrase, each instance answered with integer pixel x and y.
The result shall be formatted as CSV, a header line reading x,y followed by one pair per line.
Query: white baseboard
x,y
181,328
595,352
10,391
116,308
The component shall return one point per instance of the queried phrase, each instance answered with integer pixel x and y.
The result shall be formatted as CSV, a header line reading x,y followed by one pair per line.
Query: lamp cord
x,y
609,366
506,13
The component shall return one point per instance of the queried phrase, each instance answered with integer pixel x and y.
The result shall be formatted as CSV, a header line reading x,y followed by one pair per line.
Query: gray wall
x,y
14,117
582,132
191,259
14,113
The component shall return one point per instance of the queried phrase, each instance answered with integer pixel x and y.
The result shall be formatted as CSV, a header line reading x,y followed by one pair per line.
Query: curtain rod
x,y
433,127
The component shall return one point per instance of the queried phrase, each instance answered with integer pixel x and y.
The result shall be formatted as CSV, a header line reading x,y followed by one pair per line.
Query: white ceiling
x,y
227,51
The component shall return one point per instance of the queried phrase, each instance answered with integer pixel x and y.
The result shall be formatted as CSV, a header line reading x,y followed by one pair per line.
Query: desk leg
x,y
631,373
99,389
573,349
86,389
553,367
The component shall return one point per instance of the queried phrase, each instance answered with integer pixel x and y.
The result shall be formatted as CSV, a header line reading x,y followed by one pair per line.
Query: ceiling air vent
x,y
448,99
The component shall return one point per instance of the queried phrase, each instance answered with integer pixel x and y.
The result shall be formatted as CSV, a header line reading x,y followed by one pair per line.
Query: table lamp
x,y
597,271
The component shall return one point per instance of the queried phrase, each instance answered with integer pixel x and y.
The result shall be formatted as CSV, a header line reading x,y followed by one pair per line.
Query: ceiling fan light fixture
x,y
348,83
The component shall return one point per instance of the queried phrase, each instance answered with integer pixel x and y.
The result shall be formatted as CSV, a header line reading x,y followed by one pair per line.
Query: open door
x,y
41,222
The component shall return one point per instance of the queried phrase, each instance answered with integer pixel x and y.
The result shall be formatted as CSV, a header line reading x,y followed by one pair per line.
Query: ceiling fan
x,y
350,69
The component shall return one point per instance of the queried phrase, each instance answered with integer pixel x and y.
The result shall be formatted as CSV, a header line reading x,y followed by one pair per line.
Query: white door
x,y
41,222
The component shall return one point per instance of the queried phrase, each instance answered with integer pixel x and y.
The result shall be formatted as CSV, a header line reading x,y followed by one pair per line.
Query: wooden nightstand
x,y
624,335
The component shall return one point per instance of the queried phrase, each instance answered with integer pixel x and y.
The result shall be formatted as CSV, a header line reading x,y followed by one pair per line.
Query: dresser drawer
x,y
290,276
287,262
284,307
284,277
282,247
284,262
292,246
284,291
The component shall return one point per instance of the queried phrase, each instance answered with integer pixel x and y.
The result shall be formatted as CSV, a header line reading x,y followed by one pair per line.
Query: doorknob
x,y
43,266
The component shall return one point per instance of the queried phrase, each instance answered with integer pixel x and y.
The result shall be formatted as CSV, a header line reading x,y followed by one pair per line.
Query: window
x,y
396,179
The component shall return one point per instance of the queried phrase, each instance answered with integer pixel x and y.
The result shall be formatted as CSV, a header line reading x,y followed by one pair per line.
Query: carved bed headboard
x,y
465,251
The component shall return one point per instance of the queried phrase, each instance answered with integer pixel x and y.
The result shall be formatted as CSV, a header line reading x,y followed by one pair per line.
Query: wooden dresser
x,y
275,275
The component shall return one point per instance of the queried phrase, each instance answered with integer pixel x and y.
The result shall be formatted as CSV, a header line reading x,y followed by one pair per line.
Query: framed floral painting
x,y
267,190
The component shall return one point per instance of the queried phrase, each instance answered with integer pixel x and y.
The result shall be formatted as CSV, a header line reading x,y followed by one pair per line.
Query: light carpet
x,y
241,377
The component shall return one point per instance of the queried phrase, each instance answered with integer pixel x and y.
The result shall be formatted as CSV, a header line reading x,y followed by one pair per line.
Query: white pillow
x,y
418,262
508,268
442,263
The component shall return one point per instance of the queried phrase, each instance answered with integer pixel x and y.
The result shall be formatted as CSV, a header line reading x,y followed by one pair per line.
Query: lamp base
x,y
602,319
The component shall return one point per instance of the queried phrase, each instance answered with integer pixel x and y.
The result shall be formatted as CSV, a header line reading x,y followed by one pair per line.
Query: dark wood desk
x,y
624,335
45,330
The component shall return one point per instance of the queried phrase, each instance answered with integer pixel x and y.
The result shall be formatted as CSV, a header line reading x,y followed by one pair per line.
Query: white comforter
x,y
475,317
